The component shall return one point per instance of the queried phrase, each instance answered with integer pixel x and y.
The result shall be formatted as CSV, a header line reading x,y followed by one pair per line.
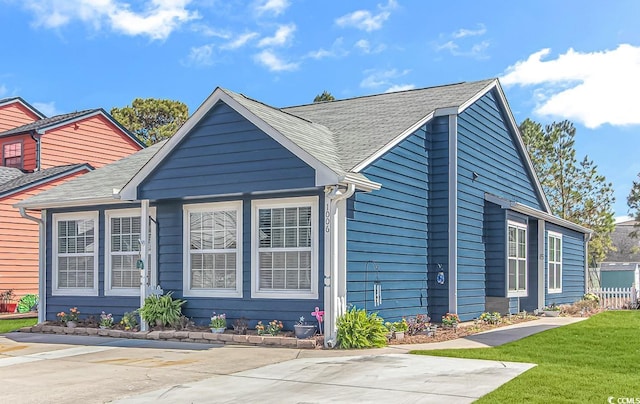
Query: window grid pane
x,y
517,259
284,245
213,249
555,262
75,256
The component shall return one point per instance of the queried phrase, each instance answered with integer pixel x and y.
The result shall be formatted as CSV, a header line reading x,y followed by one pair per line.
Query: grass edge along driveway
x,y
590,361
8,325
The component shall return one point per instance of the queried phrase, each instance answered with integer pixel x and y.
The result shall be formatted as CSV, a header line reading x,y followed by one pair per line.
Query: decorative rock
x,y
91,331
153,335
271,340
181,334
252,339
306,343
195,335
103,333
166,334
225,337
290,342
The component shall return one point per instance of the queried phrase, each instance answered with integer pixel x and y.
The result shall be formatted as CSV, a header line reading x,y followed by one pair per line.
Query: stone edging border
x,y
179,336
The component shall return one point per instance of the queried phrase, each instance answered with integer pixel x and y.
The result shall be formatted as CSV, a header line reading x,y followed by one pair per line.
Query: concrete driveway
x,y
39,368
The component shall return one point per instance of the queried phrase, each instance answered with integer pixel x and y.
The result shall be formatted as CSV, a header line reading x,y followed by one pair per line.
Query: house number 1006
x,y
327,217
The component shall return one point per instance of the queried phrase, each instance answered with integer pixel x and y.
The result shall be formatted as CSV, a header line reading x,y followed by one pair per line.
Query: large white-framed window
x,y
554,265
75,254
516,259
213,249
122,251
284,248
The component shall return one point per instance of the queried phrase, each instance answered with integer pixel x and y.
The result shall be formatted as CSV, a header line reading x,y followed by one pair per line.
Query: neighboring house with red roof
x,y
36,154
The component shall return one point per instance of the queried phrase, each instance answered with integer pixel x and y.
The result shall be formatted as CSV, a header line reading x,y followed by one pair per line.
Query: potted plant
x,y
106,321
398,328
7,304
71,319
303,330
553,310
218,323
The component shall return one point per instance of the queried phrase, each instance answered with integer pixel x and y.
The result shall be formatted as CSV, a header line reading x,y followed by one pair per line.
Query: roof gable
x,y
19,100
29,180
46,124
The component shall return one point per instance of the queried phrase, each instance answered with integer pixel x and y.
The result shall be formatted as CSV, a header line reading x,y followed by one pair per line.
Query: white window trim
x,y
55,290
525,291
558,236
108,215
186,256
311,201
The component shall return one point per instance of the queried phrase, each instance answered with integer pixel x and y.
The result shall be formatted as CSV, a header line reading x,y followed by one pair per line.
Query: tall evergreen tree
x,y
152,120
575,190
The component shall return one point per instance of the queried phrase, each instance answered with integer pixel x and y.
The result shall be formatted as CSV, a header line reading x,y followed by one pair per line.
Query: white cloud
x,y
274,63
365,47
365,20
336,50
207,30
275,7
379,78
457,45
400,87
47,108
282,36
593,88
157,20
200,56
240,41
463,32
3,90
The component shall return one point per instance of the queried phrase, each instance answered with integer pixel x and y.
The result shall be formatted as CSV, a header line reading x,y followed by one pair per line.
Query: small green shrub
x,y
358,329
161,310
28,303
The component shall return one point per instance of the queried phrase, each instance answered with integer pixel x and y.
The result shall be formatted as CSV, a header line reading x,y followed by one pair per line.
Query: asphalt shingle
x,y
26,179
41,123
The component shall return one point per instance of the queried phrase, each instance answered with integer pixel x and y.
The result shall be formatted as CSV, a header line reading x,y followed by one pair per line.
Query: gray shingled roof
x,y
24,180
361,126
9,173
43,123
97,184
339,134
8,99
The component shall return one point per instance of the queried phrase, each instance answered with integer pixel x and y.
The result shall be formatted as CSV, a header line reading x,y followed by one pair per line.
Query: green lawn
x,y
9,325
587,362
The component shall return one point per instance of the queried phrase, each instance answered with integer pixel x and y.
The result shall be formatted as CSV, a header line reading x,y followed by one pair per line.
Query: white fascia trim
x,y
523,149
527,210
108,215
479,95
56,125
360,182
393,143
55,291
453,213
541,263
186,257
315,234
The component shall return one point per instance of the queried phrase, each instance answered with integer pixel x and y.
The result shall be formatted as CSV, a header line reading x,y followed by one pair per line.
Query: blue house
x,y
419,201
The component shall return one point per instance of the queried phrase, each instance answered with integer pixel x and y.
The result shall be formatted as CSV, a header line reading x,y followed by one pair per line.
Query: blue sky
x,y
576,60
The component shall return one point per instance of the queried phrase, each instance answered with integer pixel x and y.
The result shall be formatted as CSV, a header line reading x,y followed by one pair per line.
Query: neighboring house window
x,y
12,155
517,260
122,276
213,249
75,253
554,274
285,248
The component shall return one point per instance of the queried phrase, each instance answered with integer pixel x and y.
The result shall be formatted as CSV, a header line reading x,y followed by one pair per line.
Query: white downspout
x,y
42,284
335,259
144,235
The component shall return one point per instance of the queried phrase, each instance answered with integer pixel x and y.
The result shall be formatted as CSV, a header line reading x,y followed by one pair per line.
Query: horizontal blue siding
x,y
226,154
438,223
387,233
573,259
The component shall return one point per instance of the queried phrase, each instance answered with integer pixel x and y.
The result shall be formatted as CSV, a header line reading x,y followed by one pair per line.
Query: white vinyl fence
x,y
617,298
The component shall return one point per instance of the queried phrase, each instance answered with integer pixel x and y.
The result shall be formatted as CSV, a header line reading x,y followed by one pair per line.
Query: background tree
x,y
152,120
575,190
633,201
325,96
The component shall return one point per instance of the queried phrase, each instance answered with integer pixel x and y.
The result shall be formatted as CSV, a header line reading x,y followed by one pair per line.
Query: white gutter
x,y
335,259
42,285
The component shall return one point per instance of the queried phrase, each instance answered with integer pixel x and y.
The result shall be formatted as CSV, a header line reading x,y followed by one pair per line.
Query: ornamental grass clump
x,y
359,329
